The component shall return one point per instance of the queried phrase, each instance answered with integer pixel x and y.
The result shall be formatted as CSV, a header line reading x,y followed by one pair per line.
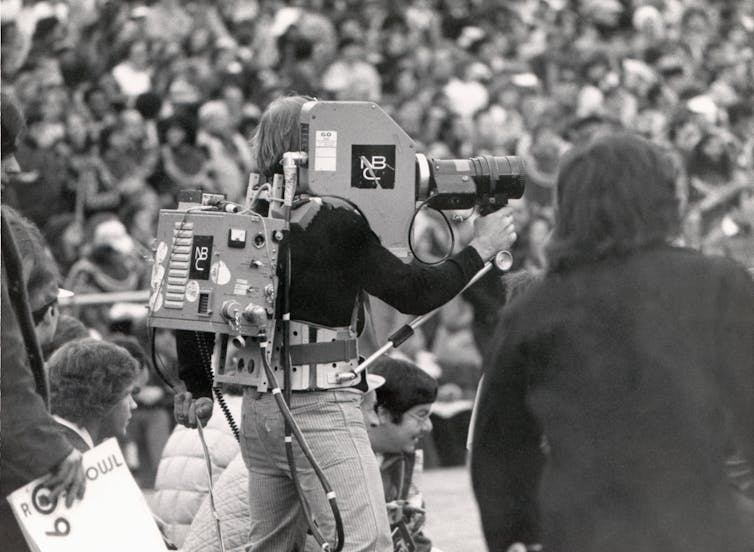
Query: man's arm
x,y
415,289
194,353
193,404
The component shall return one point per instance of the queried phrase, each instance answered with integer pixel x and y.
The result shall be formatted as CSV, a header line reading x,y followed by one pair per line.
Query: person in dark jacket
x,y
335,256
32,444
619,379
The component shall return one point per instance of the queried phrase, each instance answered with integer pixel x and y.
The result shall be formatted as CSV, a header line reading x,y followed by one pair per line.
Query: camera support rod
x,y
502,261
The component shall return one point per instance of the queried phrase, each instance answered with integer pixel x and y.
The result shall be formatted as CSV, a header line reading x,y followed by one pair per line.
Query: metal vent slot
x,y
203,303
178,265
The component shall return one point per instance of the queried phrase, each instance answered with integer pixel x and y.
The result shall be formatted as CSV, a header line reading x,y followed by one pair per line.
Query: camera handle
x,y
502,261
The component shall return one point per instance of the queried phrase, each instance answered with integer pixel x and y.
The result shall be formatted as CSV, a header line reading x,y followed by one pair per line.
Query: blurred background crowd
x,y
128,103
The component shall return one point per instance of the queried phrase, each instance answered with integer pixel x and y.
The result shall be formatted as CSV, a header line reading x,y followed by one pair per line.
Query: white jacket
x,y
182,482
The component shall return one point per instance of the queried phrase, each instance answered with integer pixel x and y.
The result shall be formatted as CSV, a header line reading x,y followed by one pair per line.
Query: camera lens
x,y
486,181
497,176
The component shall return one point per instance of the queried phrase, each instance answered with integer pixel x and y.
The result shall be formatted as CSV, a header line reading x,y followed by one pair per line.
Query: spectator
x,y
111,264
350,77
133,74
91,387
69,329
130,153
182,164
229,156
538,232
41,184
151,422
403,407
32,444
593,357
41,275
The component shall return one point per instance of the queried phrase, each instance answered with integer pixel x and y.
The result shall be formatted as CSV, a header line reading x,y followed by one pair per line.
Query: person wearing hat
x,y
32,443
41,275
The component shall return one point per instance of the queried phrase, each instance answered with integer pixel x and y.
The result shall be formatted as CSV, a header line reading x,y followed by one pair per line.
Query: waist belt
x,y
317,355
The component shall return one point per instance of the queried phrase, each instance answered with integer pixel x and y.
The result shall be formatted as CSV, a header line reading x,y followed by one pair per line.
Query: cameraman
x,y
335,258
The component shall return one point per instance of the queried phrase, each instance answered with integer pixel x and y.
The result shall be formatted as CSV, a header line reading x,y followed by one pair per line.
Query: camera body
x,y
357,152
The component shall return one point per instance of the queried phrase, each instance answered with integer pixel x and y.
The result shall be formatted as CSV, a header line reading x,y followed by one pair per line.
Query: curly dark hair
x,y
88,377
406,385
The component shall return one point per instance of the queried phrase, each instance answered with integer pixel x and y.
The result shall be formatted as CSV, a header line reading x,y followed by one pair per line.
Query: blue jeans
x,y
333,426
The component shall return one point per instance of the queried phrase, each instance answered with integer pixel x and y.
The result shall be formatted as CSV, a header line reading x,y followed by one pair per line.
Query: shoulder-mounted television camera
x,y
356,151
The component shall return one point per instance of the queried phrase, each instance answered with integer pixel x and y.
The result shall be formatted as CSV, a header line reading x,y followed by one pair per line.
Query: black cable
x,y
155,358
161,369
226,412
206,362
411,231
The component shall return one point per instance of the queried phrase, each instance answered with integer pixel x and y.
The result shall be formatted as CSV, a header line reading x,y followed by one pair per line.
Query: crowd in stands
x,y
127,103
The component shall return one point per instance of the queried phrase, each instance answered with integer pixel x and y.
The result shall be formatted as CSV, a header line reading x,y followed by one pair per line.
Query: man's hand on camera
x,y
493,233
189,412
68,477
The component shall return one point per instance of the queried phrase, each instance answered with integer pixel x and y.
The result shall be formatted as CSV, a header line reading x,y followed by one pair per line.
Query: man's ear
x,y
384,414
48,317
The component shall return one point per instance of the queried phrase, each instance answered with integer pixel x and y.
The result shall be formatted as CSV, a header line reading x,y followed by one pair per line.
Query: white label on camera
x,y
242,284
192,291
219,273
162,251
158,274
155,302
326,150
327,139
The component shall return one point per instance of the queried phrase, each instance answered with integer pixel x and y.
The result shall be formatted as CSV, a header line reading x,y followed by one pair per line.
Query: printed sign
x,y
325,150
112,516
373,167
201,257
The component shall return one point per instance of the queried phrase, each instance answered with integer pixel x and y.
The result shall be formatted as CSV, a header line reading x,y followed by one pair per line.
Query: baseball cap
x,y
40,272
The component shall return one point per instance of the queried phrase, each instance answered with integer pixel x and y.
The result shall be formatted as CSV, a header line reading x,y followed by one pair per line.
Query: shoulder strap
x,y
304,211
